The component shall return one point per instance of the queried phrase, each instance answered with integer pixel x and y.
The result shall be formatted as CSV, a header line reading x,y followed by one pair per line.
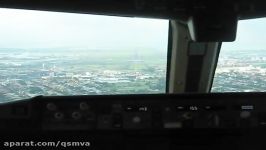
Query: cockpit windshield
x,y
52,53
242,64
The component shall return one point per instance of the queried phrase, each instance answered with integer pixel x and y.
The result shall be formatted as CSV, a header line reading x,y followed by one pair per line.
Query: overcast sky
x,y
40,29
251,35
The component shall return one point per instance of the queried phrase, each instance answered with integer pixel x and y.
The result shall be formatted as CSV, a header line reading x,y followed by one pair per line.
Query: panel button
x,y
117,121
187,115
104,122
51,106
117,108
83,106
136,119
245,114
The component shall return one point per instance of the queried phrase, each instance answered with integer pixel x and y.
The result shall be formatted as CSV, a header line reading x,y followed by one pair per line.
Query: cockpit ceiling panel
x,y
167,9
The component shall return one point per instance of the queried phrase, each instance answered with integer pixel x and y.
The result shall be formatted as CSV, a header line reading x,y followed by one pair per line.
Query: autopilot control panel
x,y
136,112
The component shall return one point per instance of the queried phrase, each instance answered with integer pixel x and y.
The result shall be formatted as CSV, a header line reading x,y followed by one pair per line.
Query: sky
x,y
39,29
251,35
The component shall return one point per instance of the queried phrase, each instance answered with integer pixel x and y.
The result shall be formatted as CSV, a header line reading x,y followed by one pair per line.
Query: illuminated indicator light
x,y
180,108
247,107
129,108
193,108
143,109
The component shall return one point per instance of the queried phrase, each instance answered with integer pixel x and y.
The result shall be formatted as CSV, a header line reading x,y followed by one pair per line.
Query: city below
x,y
240,71
28,73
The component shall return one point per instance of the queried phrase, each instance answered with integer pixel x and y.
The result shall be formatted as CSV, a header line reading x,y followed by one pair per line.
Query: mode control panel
x,y
136,112
152,112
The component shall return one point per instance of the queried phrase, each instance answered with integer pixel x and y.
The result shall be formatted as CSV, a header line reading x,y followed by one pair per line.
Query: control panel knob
x,y
187,115
59,116
136,119
51,106
167,109
245,114
83,106
117,107
76,115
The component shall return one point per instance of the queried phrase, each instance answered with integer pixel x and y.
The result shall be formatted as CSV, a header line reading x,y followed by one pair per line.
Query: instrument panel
x,y
137,112
141,122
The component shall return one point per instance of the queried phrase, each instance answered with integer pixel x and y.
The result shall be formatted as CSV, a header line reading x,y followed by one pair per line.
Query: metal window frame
x,y
180,58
